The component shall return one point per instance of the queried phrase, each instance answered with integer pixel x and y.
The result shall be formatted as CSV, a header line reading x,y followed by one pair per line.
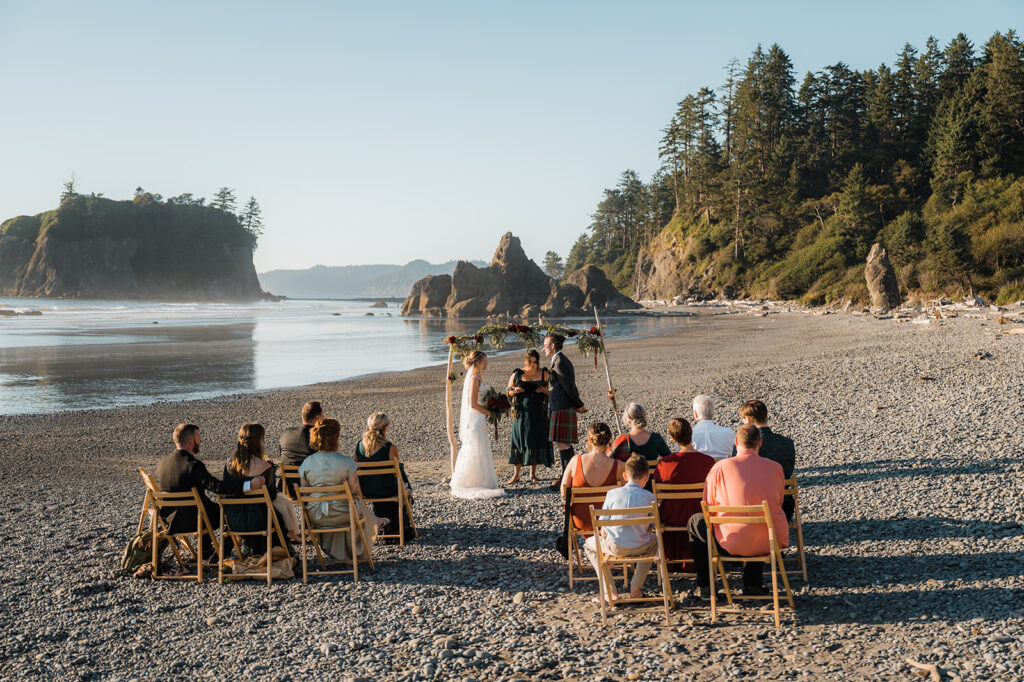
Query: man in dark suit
x,y
180,472
775,447
563,401
294,442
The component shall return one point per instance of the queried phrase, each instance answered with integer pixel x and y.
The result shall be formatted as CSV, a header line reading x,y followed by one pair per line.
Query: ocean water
x,y
95,354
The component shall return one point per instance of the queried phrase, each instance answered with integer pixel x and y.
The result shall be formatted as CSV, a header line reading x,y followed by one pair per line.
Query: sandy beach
x,y
909,442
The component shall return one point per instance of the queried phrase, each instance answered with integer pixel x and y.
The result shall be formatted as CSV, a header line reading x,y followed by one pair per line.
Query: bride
x,y
474,477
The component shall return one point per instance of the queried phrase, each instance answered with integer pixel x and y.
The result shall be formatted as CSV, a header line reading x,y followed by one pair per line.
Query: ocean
x,y
95,354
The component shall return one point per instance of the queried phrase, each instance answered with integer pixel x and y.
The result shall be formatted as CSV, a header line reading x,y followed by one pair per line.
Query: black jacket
x,y
180,472
295,445
564,395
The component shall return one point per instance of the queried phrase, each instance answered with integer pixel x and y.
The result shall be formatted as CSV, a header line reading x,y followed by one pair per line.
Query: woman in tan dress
x,y
328,467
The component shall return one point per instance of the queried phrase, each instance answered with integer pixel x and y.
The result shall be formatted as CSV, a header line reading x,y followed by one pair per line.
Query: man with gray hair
x,y
708,437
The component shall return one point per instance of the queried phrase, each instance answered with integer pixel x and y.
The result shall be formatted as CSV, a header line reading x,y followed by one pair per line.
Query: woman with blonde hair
x,y
474,477
248,462
374,446
325,468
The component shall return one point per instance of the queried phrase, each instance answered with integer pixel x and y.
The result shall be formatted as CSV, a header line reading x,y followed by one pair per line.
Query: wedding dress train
x,y
474,477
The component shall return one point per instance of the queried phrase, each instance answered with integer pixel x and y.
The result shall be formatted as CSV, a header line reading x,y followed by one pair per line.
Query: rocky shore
x,y
909,443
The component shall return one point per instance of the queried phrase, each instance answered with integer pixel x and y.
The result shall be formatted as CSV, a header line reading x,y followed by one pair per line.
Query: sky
x,y
388,131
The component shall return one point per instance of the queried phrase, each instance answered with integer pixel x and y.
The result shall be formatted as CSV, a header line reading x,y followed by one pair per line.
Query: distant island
x,y
776,185
353,281
177,249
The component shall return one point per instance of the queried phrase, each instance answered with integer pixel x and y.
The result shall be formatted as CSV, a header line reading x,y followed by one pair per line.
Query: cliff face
x,y
511,286
92,247
667,267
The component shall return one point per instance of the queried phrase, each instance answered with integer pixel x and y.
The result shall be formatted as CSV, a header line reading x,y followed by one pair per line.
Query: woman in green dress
x,y
648,444
528,391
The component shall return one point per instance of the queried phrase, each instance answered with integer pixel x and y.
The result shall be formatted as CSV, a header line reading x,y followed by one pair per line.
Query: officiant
x,y
563,401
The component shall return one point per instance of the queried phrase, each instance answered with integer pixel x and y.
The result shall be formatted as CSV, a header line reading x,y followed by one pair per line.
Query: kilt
x,y
563,426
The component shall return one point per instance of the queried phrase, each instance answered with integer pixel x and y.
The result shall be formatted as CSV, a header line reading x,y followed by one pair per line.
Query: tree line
x,y
778,189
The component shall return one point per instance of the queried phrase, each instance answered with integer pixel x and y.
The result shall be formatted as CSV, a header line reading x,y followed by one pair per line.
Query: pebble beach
x,y
910,442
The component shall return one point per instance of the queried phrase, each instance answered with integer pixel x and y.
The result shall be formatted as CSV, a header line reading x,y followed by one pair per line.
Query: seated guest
x,y
248,462
294,442
594,468
627,540
708,437
685,466
375,441
180,472
745,479
328,467
648,444
773,446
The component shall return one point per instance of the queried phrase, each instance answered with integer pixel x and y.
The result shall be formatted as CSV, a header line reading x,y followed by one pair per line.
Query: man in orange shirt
x,y
743,479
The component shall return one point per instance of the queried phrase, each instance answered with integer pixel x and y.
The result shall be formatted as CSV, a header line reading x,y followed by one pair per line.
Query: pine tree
x,y
856,216
251,219
69,189
553,265
224,199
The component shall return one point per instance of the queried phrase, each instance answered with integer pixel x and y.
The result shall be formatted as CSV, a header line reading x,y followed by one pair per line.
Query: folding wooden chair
x,y
644,516
592,495
792,490
290,480
273,529
390,468
159,501
753,514
147,503
334,493
678,491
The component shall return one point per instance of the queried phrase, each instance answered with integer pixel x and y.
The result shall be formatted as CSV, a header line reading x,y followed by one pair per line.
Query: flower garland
x,y
531,336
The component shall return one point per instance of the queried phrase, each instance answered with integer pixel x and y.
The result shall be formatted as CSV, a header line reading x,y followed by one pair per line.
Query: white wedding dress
x,y
474,477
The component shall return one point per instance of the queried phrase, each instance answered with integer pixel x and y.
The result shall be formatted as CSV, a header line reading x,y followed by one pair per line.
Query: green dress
x,y
530,444
653,450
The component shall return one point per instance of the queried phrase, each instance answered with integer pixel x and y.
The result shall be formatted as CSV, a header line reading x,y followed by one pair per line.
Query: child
x,y
627,540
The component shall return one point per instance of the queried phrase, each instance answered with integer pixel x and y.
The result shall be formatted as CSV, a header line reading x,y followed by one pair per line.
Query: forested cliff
x,y
777,189
93,247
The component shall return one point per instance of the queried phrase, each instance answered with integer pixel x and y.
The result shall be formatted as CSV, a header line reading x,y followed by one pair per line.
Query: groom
x,y
563,401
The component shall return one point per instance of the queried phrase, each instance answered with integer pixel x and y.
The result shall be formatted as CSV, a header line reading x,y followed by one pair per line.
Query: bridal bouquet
x,y
497,404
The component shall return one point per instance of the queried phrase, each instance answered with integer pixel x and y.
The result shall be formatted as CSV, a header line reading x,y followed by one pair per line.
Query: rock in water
x,y
881,280
512,286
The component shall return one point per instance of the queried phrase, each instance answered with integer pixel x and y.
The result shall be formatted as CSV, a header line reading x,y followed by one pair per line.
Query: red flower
x,y
479,339
450,340
513,327
571,333
595,331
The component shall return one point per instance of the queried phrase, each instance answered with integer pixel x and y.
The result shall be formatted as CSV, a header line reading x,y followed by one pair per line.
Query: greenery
x,y
769,188
553,265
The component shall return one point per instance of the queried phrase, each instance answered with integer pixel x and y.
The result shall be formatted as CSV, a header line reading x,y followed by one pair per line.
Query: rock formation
x,y
91,247
665,270
881,280
514,286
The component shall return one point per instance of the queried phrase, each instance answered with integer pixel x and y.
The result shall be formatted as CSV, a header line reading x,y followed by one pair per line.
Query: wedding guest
x,y
594,468
746,479
294,441
180,472
685,466
627,540
327,467
708,437
639,440
375,441
528,392
775,447
564,400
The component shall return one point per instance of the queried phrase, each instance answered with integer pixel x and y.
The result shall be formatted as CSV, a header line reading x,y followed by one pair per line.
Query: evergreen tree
x,y
251,219
69,189
958,62
856,226
224,199
553,265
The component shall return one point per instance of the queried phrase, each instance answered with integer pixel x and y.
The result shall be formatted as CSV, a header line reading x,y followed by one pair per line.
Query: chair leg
x,y
800,549
199,549
725,579
713,580
775,587
354,518
220,544
785,581
155,541
401,515
361,524
572,554
270,544
302,532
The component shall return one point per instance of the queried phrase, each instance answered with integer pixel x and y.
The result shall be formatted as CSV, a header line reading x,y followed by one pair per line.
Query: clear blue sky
x,y
386,131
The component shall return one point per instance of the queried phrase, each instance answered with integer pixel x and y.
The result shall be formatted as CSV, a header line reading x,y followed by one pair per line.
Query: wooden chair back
x,y
791,489
677,491
310,533
390,468
632,516
589,495
290,480
273,529
160,501
147,502
743,515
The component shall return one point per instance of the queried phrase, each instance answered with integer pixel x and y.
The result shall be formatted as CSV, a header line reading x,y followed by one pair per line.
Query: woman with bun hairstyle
x,y
474,477
594,468
374,446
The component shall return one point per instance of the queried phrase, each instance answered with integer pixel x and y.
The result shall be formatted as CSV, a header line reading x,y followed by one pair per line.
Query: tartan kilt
x,y
563,426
